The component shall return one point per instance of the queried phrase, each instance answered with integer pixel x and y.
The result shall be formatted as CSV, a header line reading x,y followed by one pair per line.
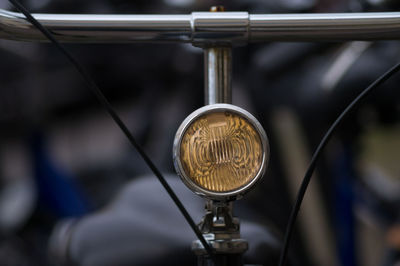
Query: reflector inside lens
x,y
221,151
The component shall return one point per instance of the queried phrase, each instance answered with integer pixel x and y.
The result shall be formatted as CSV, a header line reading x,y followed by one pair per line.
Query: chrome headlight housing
x,y
220,151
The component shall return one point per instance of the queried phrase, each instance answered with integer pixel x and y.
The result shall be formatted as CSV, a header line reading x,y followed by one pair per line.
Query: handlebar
x,y
204,28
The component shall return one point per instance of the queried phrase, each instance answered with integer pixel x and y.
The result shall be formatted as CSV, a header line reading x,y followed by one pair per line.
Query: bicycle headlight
x,y
220,151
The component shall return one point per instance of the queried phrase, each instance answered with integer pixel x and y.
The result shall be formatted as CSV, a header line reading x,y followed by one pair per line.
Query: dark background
x,y
61,155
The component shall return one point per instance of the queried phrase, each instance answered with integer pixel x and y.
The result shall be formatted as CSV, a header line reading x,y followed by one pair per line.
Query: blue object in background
x,y
343,176
57,193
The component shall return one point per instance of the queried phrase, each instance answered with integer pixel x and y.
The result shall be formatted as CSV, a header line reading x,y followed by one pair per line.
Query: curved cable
x,y
317,153
105,103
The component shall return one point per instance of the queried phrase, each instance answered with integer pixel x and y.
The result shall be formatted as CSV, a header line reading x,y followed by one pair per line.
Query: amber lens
x,y
221,152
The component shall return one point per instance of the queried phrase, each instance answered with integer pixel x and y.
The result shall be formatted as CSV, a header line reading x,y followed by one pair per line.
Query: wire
x,y
317,153
104,102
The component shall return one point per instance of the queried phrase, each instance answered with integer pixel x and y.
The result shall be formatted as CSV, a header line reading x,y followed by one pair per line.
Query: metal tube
x,y
218,75
205,27
98,28
325,27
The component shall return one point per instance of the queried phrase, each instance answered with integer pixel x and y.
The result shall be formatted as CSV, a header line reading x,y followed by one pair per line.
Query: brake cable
x,y
307,177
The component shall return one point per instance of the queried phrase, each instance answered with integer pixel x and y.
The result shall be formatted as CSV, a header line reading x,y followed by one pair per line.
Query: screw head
x,y
217,9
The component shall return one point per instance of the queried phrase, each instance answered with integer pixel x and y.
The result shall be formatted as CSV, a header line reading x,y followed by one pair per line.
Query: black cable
x,y
104,102
317,153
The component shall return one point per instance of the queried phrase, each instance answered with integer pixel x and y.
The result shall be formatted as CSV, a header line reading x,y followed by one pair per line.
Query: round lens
x,y
221,151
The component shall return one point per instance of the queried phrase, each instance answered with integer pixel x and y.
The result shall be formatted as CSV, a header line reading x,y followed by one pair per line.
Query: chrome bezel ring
x,y
220,196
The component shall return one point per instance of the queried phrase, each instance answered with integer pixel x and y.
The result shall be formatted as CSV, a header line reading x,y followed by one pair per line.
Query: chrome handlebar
x,y
204,28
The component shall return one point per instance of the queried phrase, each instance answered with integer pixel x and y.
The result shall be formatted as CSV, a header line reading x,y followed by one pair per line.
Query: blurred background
x,y
62,157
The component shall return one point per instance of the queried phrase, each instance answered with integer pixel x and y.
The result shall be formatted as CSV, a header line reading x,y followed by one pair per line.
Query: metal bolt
x,y
217,9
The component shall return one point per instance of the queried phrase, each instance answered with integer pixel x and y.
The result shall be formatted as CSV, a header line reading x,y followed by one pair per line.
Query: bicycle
x,y
203,29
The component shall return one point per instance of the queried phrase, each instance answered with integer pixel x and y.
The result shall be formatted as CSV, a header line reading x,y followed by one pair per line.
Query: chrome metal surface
x,y
205,27
219,223
99,28
325,27
219,196
220,27
221,230
218,75
228,246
